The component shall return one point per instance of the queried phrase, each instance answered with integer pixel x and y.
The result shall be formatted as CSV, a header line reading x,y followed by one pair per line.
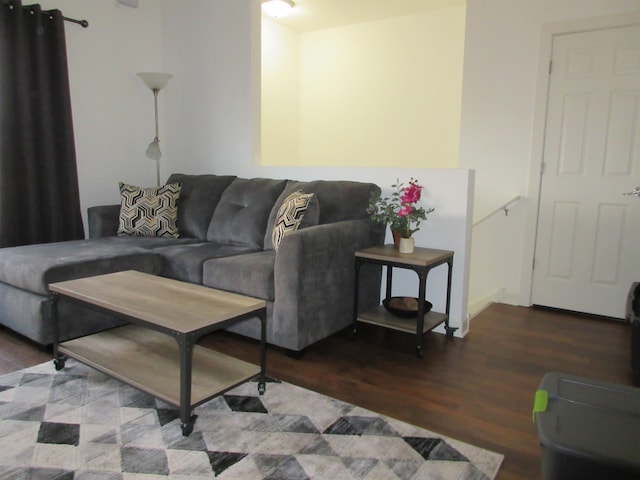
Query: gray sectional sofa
x,y
224,242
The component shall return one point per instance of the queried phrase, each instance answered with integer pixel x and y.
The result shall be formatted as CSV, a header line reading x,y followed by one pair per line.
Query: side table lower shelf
x,y
150,361
381,317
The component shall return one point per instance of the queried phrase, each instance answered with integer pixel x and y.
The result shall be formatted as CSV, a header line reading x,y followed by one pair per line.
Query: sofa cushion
x,y
184,262
290,216
199,197
34,267
148,243
149,212
243,212
251,274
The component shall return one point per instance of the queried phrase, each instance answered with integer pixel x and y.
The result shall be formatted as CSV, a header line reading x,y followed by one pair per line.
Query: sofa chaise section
x,y
25,273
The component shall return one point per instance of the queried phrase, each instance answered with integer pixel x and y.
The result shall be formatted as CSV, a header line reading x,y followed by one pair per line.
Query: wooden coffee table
x,y
157,352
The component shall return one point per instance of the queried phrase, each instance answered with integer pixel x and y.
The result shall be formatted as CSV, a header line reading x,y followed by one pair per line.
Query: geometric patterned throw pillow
x,y
290,215
149,212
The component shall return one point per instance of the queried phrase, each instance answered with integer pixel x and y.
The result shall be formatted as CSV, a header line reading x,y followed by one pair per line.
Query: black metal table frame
x,y
186,343
423,273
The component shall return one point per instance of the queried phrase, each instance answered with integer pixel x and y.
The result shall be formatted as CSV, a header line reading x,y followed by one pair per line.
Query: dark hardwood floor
x,y
478,389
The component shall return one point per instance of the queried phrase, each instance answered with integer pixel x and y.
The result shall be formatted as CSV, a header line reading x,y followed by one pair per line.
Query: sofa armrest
x,y
103,220
314,280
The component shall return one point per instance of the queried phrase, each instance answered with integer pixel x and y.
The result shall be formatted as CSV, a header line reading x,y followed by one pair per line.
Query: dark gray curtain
x,y
39,197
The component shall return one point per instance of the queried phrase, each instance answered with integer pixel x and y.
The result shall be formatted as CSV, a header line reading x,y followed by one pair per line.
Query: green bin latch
x,y
540,402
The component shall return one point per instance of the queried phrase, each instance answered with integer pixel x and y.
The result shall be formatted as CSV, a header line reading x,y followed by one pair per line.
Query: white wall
x,y
112,108
500,101
213,116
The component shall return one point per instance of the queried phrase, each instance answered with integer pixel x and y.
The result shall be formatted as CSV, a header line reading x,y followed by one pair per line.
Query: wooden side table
x,y
421,261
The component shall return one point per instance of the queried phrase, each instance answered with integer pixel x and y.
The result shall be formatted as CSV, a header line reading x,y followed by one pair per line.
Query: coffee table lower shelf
x,y
150,361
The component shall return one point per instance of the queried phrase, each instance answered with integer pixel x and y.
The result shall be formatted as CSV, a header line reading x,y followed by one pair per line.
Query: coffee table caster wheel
x,y
262,387
59,362
420,352
187,428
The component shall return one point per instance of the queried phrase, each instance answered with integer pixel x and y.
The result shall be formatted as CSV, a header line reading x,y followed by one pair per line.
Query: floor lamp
x,y
156,82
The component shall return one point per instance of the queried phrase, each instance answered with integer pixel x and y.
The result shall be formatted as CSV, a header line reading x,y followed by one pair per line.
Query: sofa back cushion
x,y
342,200
199,197
335,201
243,212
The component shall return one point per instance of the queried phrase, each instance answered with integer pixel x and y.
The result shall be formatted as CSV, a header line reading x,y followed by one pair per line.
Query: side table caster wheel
x,y
59,362
187,428
262,387
420,352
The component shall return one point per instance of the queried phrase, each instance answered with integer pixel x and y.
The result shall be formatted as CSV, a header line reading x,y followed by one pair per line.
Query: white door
x,y
588,240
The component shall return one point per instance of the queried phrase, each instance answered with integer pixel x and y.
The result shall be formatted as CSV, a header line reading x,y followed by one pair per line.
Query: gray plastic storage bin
x,y
587,429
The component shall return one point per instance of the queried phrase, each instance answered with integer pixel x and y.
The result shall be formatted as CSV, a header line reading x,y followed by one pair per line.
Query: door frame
x,y
547,33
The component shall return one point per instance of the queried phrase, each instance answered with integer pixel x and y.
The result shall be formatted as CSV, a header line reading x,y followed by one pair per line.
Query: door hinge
x,y
550,66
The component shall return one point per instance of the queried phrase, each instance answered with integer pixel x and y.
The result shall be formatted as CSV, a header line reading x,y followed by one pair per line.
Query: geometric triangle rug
x,y
79,424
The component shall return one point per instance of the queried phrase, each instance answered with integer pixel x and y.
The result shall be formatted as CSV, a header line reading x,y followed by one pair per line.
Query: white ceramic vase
x,y
406,245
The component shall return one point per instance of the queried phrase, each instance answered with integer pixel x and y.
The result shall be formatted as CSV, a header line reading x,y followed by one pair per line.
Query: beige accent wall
x,y
280,110
376,94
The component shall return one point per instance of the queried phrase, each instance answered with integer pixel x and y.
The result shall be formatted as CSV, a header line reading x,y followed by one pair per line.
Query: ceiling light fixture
x,y
277,8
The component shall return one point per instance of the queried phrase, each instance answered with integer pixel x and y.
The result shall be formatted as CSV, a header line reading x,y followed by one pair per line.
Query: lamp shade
x,y
155,80
277,8
153,150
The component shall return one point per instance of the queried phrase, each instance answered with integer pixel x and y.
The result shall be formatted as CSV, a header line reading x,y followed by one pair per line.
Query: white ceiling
x,y
318,14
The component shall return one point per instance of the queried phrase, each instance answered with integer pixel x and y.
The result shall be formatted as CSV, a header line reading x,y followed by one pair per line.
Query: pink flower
x,y
405,211
411,194
401,210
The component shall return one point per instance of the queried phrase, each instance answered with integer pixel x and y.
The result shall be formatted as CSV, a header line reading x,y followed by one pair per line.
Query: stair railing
x,y
504,207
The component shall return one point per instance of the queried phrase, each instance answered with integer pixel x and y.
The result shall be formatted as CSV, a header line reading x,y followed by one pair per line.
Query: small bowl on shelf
x,y
404,307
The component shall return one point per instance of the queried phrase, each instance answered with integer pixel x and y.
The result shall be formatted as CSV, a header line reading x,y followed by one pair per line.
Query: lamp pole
x,y
156,140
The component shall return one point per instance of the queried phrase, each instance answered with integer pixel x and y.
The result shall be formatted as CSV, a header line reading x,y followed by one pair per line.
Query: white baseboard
x,y
479,305
511,298
498,296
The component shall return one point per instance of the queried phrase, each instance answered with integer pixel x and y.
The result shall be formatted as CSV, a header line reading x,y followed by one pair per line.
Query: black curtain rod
x,y
84,23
